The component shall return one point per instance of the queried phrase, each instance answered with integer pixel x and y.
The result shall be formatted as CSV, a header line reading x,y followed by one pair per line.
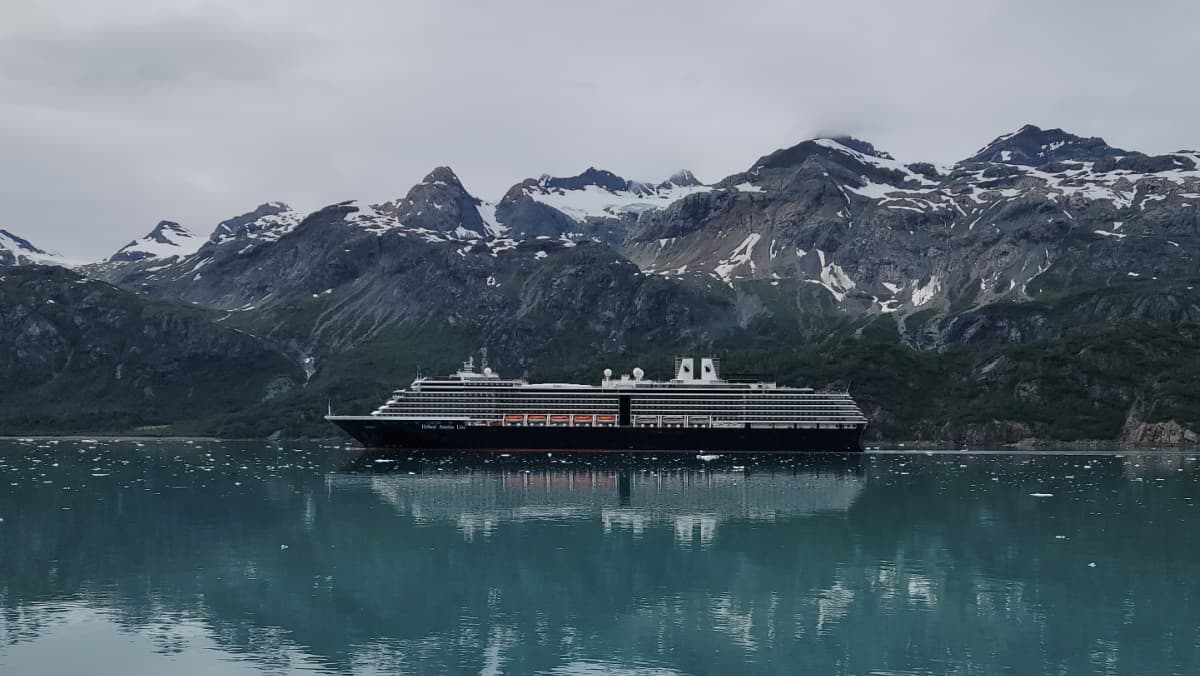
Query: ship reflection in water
x,y
692,495
145,558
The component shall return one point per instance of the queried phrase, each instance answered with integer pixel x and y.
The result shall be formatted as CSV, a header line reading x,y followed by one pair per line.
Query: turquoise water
x,y
237,558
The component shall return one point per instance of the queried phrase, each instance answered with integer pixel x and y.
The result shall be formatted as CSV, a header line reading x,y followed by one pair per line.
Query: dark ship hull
x,y
380,432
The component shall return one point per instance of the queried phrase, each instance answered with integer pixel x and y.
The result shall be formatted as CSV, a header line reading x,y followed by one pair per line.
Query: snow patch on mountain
x,y
487,212
923,293
833,278
882,161
168,239
266,223
594,201
371,220
15,250
741,255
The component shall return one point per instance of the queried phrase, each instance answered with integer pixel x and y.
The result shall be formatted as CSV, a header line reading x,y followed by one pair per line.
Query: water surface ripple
x,y
247,558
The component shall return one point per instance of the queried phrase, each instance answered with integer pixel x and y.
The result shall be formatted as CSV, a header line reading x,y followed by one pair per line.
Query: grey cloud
x,y
115,114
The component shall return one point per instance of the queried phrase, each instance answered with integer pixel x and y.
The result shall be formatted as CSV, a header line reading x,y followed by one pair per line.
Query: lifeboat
x,y
583,419
606,419
514,419
558,419
537,419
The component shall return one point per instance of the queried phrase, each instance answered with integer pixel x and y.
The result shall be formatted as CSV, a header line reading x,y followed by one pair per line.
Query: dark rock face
x,y
439,203
1034,146
162,233
264,218
80,349
16,250
526,217
885,238
592,176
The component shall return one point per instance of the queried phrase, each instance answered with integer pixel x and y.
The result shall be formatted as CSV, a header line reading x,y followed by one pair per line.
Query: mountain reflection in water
x,y
207,557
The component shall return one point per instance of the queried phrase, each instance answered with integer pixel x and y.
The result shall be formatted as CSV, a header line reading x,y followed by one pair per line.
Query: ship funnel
x,y
685,368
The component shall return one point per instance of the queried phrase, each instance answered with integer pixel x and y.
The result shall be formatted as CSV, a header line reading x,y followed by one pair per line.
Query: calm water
x,y
233,558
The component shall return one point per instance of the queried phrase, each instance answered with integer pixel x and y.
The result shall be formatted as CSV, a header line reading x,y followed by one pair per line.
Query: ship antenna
x,y
483,361
329,401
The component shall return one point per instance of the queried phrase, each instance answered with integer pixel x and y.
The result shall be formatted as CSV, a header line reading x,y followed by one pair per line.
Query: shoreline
x,y
916,446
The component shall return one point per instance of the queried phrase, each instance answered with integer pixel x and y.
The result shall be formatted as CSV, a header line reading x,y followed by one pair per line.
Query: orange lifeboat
x,y
583,418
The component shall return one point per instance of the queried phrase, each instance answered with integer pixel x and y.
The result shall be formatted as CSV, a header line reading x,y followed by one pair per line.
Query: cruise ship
x,y
696,411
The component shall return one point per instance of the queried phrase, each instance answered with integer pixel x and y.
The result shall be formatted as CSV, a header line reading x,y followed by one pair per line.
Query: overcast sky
x,y
115,114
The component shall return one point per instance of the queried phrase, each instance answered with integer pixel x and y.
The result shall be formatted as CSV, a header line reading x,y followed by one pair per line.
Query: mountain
x,y
1033,146
440,203
596,204
15,250
883,237
1043,288
267,222
168,239
78,354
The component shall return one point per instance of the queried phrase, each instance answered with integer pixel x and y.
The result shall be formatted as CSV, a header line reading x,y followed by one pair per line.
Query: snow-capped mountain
x,y
599,195
1034,210
168,239
267,222
595,204
440,204
884,236
15,250
1042,236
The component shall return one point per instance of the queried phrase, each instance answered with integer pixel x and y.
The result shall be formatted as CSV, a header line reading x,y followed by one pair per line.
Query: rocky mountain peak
x,y
15,242
164,231
861,146
846,151
16,250
439,203
442,175
591,176
683,178
1033,146
270,219
167,239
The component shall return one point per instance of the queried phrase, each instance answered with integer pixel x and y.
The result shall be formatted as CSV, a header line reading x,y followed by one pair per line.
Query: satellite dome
x,y
638,373
607,373
487,371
